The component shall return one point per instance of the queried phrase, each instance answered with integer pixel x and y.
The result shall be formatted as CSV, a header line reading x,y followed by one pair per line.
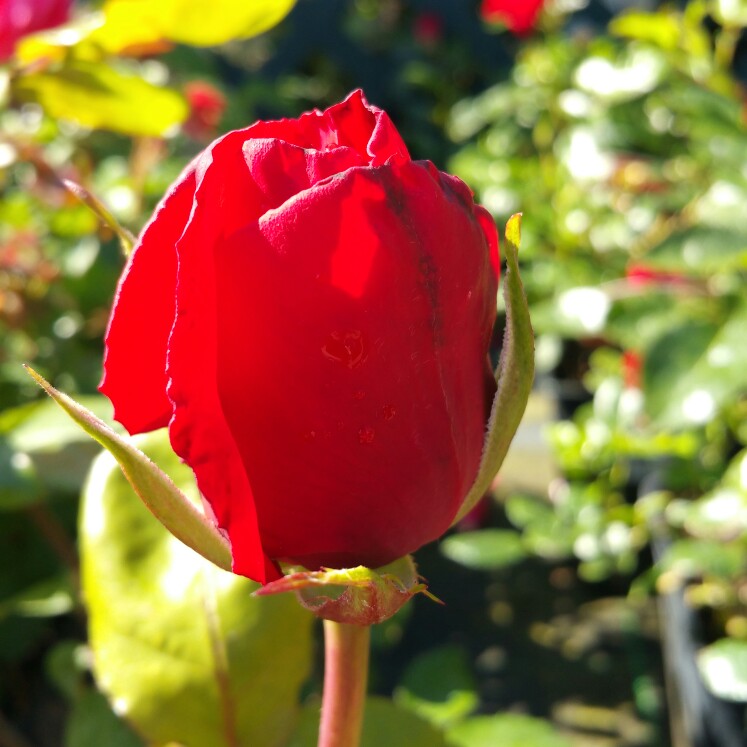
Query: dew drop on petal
x,y
366,435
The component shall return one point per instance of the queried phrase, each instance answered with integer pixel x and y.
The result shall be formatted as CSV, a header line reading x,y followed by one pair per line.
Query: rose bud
x,y
17,19
310,311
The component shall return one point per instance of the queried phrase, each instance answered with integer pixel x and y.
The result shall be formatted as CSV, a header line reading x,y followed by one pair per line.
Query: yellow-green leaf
x,y
182,649
98,96
201,23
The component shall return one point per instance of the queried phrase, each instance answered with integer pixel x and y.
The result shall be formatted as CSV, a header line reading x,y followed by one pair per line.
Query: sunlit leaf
x,y
200,23
384,725
723,667
98,96
181,648
695,368
506,730
484,549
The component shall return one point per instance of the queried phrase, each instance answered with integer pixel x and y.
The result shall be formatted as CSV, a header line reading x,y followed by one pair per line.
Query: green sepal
x,y
126,240
514,375
164,500
356,596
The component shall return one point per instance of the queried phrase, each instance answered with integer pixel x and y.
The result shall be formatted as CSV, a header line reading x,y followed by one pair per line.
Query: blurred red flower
x,y
519,16
21,17
639,275
206,107
428,29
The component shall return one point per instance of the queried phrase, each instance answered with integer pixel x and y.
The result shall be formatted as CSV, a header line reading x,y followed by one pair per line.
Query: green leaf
x,y
723,667
92,722
384,725
703,249
695,369
664,29
505,730
95,95
690,558
155,488
514,375
182,649
525,510
439,686
484,549
18,485
49,598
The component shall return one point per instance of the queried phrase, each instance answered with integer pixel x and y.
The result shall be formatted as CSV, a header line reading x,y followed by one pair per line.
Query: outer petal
x,y
353,328
143,314
225,197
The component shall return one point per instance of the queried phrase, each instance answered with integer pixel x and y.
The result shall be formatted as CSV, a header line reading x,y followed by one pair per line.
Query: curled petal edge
x,y
164,500
514,374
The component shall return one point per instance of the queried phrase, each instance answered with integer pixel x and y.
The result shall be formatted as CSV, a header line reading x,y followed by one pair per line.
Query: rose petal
x,y
353,123
198,429
355,278
143,314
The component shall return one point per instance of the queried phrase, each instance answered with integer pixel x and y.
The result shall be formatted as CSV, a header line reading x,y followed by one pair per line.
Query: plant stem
x,y
345,678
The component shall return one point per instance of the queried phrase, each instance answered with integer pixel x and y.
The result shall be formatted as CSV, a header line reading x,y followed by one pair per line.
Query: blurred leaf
x,y
97,96
662,29
93,723
523,510
506,730
18,486
49,598
720,514
484,549
202,23
704,250
181,647
731,12
723,667
439,686
691,558
384,725
694,369
65,667
43,426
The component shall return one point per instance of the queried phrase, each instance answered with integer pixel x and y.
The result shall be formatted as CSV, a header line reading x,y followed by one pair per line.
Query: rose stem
x,y
345,679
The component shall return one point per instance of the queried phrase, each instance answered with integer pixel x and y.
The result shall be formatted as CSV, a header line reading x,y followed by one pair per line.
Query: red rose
x,y
520,16
21,17
309,311
640,275
206,107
